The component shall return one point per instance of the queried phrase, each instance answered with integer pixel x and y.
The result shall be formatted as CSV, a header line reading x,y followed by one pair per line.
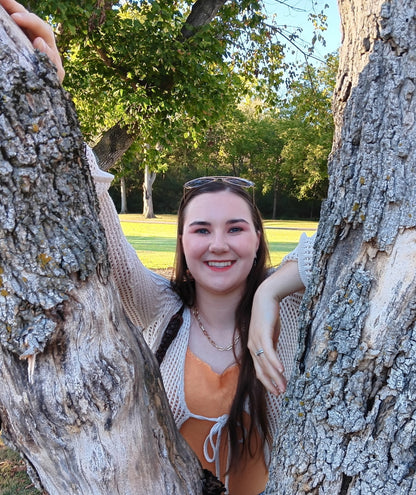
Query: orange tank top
x,y
210,394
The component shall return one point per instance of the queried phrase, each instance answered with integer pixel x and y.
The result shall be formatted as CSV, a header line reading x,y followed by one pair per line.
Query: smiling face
x,y
219,241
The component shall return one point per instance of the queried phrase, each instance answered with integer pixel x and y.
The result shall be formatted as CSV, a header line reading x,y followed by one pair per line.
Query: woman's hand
x,y
262,339
265,325
38,32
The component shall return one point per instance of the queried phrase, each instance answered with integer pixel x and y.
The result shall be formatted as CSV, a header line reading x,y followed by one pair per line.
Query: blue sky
x,y
298,17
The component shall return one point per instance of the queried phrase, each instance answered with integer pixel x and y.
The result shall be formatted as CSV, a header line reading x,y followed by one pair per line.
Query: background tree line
x,y
284,150
184,88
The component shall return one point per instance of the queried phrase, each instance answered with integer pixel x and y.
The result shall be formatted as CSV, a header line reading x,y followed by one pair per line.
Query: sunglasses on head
x,y
202,181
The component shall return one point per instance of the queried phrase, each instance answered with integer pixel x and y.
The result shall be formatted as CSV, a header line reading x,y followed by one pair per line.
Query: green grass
x,y
154,241
13,477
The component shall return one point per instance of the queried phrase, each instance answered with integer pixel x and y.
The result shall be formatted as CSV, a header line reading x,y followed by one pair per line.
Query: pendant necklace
x,y
195,312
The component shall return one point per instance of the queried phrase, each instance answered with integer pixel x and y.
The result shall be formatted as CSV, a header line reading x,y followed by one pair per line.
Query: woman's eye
x,y
235,229
201,231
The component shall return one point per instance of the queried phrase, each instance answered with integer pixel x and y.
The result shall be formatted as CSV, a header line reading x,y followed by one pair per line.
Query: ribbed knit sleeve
x,y
303,254
289,313
146,296
102,180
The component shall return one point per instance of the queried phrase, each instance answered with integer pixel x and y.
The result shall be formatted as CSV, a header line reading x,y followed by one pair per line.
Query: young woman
x,y
220,407
198,324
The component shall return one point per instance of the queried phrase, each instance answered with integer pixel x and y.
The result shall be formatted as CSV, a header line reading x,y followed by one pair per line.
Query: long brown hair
x,y
249,390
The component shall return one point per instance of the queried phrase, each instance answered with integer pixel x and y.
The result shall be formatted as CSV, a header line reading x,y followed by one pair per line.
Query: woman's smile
x,y
220,265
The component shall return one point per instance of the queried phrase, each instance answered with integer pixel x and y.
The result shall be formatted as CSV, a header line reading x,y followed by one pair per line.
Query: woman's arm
x,y
38,32
143,293
265,326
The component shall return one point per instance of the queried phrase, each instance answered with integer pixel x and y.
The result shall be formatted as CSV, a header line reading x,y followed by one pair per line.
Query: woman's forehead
x,y
222,204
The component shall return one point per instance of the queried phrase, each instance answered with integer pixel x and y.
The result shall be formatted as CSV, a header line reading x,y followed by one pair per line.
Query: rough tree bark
x,y
80,393
348,421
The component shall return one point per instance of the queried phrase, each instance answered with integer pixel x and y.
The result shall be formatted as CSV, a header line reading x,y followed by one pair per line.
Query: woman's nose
x,y
218,243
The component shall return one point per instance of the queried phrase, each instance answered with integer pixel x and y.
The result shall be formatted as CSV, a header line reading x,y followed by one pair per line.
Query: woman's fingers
x,y
53,54
264,324
42,37
39,32
11,6
263,336
269,369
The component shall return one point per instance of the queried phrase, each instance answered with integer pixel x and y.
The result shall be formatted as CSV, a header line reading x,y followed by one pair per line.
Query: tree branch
x,y
202,13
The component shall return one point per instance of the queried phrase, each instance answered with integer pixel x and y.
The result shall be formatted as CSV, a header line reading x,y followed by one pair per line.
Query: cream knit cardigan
x,y
150,303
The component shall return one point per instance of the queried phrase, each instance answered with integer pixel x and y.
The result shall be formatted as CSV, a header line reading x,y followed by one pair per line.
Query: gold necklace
x,y
195,312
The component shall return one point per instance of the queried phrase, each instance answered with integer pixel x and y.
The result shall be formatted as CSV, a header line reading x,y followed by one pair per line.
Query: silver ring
x,y
259,352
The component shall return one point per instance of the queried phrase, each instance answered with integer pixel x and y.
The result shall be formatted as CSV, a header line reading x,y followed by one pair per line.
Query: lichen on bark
x,y
50,235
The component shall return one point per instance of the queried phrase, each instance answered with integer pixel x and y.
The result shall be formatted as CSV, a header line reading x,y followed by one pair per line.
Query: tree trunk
x,y
202,13
123,195
275,193
149,178
347,424
112,146
80,393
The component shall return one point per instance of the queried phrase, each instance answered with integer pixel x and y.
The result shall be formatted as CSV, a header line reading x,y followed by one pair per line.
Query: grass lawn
x,y
13,477
154,241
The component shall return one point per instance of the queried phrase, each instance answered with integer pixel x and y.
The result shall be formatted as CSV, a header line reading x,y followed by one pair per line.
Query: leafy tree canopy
x,y
149,66
308,131
283,151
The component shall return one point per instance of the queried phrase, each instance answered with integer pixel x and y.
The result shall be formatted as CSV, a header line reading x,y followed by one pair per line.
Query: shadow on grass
x,y
282,247
164,244
155,244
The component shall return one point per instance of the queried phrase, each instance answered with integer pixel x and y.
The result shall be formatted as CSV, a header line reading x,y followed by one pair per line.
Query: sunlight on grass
x,y
154,239
137,217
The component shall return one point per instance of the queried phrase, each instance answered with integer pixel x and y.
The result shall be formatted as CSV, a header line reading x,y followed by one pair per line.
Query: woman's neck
x,y
218,311
215,316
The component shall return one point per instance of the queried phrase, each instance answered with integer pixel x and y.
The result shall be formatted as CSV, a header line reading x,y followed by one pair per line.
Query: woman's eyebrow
x,y
228,222
199,222
237,220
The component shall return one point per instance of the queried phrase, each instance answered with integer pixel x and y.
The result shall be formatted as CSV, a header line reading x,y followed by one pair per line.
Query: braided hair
x,y
169,334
